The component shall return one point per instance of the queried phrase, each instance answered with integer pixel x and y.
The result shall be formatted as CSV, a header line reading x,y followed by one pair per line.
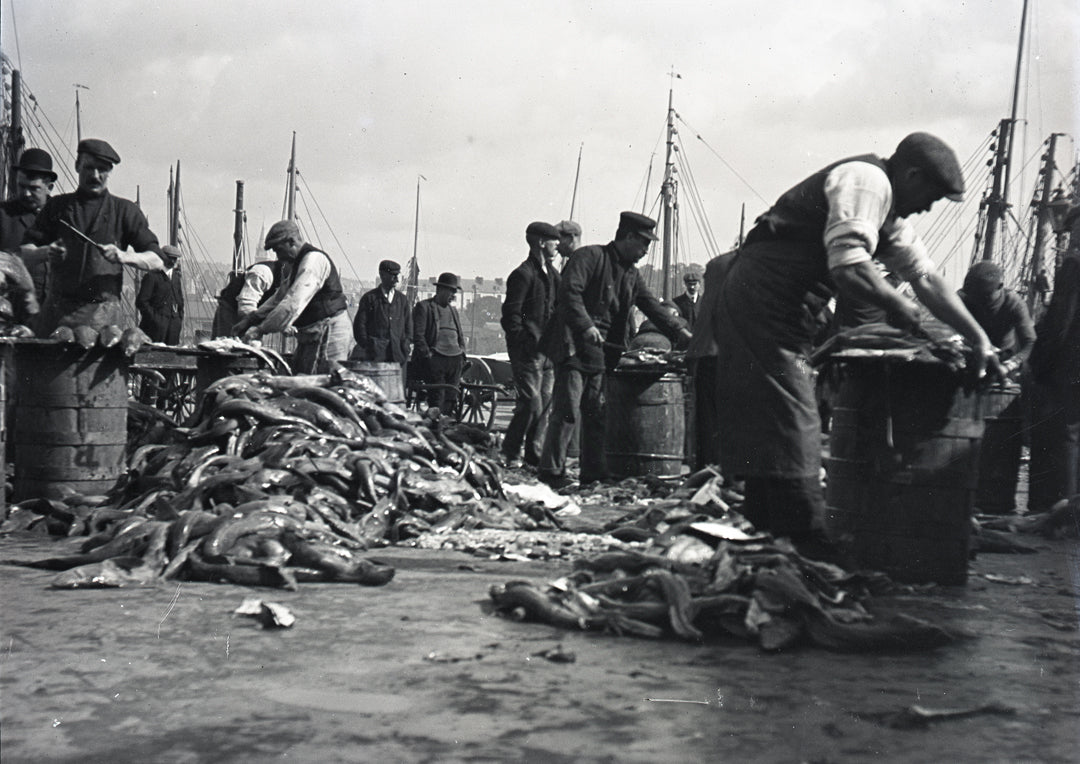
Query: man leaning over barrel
x,y
819,237
310,299
589,331
90,236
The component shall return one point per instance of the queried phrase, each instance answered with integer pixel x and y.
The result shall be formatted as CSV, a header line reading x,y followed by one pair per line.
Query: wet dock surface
x,y
421,670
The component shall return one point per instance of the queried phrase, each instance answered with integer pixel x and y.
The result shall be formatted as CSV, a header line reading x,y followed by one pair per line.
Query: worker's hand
x,y
290,331
252,334
593,336
987,363
905,316
112,253
55,249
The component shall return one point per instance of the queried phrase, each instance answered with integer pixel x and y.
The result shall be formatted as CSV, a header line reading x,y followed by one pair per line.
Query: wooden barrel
x,y
644,424
903,465
390,377
210,366
999,455
71,419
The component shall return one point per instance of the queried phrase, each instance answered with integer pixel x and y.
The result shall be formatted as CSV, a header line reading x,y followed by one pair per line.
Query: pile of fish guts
x,y
272,481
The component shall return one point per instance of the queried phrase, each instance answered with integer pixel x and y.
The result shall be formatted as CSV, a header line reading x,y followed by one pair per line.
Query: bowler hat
x,y
542,230
634,222
170,251
98,148
934,157
568,228
280,232
36,162
449,280
390,266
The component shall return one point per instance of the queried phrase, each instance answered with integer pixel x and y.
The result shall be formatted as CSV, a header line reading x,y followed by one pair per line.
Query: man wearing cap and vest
x,y
245,291
530,300
87,278
688,301
161,300
439,343
589,330
819,237
383,325
310,299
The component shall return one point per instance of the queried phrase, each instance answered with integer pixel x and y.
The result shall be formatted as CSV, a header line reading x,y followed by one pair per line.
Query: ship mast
x,y
238,229
667,193
290,190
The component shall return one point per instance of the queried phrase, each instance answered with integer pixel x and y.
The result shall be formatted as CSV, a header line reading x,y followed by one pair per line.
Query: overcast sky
x,y
490,100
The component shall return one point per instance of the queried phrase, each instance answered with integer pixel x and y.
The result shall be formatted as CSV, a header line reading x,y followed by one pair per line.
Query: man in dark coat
x,y
530,299
34,181
383,325
689,301
87,278
818,237
589,330
161,300
439,343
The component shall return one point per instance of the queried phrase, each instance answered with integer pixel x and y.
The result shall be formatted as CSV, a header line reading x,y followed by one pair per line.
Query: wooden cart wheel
x,y
477,405
180,395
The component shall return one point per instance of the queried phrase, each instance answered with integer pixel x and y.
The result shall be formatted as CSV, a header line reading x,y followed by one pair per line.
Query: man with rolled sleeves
x,y
821,236
161,300
310,299
439,343
529,303
590,328
87,278
383,326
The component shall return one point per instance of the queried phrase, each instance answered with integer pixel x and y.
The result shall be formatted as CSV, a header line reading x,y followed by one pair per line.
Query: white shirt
x,y
860,212
295,292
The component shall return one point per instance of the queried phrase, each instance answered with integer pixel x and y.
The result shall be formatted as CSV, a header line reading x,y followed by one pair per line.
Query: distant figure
x,y
1000,312
383,326
569,239
688,301
589,330
245,291
530,300
161,300
439,343
34,181
1055,385
310,299
87,279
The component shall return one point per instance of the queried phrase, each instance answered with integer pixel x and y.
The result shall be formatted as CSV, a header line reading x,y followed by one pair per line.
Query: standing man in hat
x,y
439,343
569,239
590,329
310,299
161,300
530,300
821,236
88,277
688,301
383,325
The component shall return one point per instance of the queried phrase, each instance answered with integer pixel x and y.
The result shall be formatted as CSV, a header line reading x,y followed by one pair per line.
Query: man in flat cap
x,y
245,291
819,237
161,300
569,239
383,325
439,343
34,179
589,330
309,299
1000,312
688,301
529,303
87,278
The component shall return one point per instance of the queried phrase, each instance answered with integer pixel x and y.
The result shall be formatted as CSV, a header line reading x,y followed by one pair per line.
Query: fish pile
x,y
709,579
276,480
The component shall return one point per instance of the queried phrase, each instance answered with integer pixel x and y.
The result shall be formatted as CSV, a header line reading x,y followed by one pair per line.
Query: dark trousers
x,y
1054,470
577,396
706,416
443,370
784,506
534,379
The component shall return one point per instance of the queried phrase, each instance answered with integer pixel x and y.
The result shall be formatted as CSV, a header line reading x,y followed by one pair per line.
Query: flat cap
x,y
170,251
98,148
542,230
691,275
36,161
984,276
635,222
390,266
934,157
568,228
281,231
